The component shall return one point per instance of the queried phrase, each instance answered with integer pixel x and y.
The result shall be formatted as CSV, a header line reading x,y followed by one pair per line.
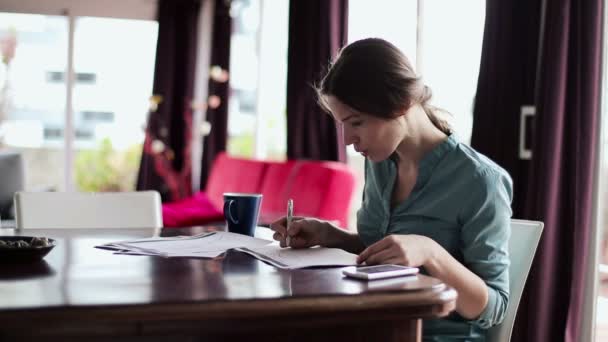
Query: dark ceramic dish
x,y
23,254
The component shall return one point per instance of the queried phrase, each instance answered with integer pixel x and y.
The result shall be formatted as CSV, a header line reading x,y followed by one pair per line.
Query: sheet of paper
x,y
122,245
288,258
165,255
207,245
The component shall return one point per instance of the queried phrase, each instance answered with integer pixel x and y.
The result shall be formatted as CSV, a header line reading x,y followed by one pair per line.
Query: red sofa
x,y
320,189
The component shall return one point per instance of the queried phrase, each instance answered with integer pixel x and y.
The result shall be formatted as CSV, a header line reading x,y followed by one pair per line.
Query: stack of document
x,y
206,245
213,244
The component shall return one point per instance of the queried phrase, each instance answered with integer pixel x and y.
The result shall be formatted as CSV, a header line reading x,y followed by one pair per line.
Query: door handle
x,y
527,113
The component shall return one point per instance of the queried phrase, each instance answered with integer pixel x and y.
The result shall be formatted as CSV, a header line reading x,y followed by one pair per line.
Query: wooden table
x,y
79,291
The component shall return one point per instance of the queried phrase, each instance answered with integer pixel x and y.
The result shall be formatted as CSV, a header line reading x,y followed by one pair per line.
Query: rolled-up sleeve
x,y
485,240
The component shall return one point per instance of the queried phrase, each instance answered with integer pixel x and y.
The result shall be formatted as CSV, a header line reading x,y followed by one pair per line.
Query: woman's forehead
x,y
341,111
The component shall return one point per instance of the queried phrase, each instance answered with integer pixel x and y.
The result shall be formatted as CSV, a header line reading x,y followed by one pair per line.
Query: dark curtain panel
x,y
506,82
217,111
317,30
165,163
560,74
561,179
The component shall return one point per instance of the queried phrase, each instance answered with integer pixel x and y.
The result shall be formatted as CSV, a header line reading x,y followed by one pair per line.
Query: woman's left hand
x,y
406,250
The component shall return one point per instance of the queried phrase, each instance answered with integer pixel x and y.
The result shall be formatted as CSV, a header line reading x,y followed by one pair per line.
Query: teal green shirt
x,y
462,200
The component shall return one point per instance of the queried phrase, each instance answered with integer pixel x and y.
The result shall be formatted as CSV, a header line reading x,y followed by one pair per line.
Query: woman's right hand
x,y
303,232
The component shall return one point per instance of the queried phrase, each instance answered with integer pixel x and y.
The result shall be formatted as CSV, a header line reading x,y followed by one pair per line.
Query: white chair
x,y
525,236
140,209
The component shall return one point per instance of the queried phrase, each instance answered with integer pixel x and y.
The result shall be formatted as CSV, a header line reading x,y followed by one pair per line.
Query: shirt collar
x,y
432,158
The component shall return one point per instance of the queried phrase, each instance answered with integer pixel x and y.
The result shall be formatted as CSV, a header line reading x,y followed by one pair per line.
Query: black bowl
x,y
23,254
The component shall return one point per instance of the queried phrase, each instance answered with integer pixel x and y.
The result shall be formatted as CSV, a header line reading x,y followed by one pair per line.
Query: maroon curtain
x,y
564,157
217,111
317,30
507,77
547,54
507,81
165,162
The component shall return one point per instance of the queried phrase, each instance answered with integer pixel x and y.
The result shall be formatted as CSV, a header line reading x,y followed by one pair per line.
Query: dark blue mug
x,y
241,212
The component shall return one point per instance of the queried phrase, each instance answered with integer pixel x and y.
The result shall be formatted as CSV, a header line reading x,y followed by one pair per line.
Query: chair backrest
x,y
525,236
140,209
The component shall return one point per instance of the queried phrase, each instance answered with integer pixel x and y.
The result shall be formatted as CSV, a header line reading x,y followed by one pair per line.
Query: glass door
x,y
114,69
94,143
33,94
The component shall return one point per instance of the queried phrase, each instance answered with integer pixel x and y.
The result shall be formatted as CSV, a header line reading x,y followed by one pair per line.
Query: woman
x,y
429,201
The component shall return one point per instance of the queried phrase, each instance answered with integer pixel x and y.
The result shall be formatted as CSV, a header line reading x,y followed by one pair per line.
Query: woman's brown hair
x,y
374,77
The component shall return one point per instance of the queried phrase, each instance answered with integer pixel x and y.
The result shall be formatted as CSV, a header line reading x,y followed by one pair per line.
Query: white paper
x,y
208,245
289,258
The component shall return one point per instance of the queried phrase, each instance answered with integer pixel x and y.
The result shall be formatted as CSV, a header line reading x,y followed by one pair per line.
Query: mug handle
x,y
228,212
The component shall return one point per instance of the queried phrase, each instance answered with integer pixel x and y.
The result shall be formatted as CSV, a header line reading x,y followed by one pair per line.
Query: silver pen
x,y
289,218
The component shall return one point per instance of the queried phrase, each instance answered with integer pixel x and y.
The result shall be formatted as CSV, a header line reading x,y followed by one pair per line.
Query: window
x,y
258,79
111,98
442,39
601,314
93,144
451,52
33,118
392,20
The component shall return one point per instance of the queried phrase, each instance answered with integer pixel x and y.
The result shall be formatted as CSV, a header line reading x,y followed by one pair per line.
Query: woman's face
x,y
375,138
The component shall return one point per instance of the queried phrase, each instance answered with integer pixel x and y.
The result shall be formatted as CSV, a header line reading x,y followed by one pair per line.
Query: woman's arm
x,y
482,277
417,250
308,232
472,290
340,238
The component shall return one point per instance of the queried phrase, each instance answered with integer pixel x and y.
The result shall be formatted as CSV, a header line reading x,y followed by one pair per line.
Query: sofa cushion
x,y
230,174
191,211
275,190
322,189
340,188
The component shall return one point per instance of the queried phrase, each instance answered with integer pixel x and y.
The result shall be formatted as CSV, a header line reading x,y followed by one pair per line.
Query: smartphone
x,y
379,271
